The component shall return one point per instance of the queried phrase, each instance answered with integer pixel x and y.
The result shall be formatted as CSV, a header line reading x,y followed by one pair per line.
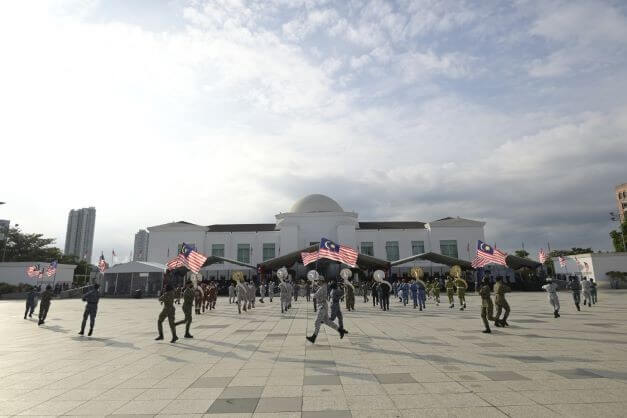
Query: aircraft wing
x,y
212,259
436,258
287,260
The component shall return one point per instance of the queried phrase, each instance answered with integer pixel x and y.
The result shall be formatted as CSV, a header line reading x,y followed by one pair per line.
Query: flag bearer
x,y
188,302
44,305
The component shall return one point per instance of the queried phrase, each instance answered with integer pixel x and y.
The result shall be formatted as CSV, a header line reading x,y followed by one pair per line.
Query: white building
x,y
308,220
140,247
593,265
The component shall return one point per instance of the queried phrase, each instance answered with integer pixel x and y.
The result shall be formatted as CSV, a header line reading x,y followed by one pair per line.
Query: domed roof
x,y
316,203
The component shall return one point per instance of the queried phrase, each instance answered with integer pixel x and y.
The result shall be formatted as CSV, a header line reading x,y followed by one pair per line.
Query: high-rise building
x,y
79,238
140,249
621,201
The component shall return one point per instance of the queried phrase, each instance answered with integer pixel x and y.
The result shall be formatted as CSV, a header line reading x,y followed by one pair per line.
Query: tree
x,y
521,253
572,251
30,247
619,238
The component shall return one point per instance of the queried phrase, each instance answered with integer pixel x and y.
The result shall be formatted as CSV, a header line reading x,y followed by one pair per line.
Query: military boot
x,y
312,339
91,331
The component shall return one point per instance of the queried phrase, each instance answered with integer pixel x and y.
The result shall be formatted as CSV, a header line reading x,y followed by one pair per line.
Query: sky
x,y
228,111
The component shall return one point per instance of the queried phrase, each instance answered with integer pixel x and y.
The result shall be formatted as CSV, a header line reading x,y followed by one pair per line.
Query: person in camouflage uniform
x,y
91,309
501,303
435,289
461,286
450,291
44,305
487,308
198,298
188,302
212,295
167,298
350,296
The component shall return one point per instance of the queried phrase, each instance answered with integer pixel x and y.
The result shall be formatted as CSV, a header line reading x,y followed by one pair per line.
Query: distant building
x,y
79,238
621,201
140,249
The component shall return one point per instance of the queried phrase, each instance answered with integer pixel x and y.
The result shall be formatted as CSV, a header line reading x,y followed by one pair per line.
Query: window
x,y
217,250
268,251
367,248
417,247
243,253
449,247
391,250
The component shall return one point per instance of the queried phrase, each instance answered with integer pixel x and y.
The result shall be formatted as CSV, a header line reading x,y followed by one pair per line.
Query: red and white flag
x,y
309,258
542,255
562,261
32,271
176,262
329,249
193,259
490,254
102,264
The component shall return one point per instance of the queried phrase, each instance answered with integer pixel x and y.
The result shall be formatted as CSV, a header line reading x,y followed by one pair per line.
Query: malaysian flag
x,y
491,254
341,253
309,258
479,262
562,261
52,269
32,271
542,255
178,261
193,259
102,264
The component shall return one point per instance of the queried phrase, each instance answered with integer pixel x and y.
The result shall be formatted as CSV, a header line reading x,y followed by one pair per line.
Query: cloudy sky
x,y
228,111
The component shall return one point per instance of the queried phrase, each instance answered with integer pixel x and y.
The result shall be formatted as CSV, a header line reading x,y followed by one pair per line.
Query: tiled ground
x,y
401,363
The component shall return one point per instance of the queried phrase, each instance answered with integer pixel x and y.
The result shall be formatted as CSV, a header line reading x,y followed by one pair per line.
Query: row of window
x,y
447,247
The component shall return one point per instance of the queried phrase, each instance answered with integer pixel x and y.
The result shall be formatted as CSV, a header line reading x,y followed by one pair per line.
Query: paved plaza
x,y
402,363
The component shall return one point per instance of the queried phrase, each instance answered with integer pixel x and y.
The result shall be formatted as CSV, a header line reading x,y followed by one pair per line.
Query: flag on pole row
x,y
342,253
542,256
562,261
309,258
52,269
102,264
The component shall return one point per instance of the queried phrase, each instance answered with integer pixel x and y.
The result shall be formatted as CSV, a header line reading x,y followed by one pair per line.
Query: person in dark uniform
x,y
167,298
44,305
375,294
384,290
91,309
575,287
31,302
307,290
188,303
336,295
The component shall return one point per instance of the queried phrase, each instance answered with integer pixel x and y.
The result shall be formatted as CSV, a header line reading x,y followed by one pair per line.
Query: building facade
x,y
140,248
79,238
308,220
621,201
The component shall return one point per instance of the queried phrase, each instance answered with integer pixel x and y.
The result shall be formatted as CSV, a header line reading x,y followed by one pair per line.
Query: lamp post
x,y
616,218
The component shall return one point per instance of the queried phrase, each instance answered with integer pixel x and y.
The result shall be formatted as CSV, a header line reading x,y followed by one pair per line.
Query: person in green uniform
x,y
487,308
435,289
501,303
450,291
461,286
167,298
188,303
44,305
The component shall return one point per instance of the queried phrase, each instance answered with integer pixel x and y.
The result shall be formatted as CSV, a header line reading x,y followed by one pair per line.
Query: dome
x,y
316,203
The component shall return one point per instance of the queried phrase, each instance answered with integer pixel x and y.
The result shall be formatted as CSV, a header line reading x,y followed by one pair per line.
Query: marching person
x,y
422,294
242,295
384,295
262,291
31,302
198,299
284,296
461,286
405,288
336,295
167,299
44,305
91,309
350,296
413,288
450,291
593,291
364,289
252,291
435,288
188,302
212,295
323,311
501,303
271,289
375,293
551,290
307,290
231,293
575,287
586,290
296,290
487,308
